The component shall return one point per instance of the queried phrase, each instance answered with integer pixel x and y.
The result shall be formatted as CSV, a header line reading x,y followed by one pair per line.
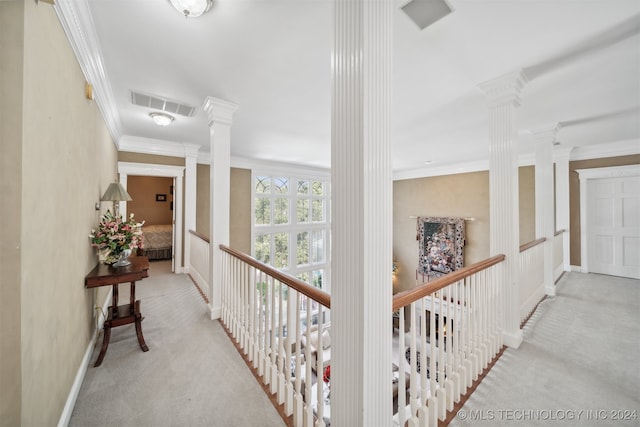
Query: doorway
x,y
126,169
610,220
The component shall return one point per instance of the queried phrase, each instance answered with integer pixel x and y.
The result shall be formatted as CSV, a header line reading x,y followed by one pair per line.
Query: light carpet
x,y
191,375
578,363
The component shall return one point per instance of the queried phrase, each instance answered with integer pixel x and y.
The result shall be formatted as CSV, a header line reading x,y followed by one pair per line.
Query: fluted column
x,y
220,114
362,214
561,156
545,227
190,175
503,94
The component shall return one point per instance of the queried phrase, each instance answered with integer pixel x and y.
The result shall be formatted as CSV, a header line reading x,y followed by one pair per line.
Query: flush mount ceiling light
x,y
192,8
161,119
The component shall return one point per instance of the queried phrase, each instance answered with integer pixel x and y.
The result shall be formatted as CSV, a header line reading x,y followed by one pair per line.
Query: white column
x,y
561,156
503,94
190,175
362,214
545,227
220,114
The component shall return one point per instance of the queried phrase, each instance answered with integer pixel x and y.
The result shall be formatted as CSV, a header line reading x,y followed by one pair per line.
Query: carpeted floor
x,y
191,375
578,364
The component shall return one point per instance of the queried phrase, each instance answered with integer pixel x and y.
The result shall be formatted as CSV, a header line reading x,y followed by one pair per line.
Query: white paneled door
x,y
613,226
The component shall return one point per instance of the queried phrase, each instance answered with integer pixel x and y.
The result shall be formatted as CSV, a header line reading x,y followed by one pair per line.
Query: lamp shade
x,y
116,193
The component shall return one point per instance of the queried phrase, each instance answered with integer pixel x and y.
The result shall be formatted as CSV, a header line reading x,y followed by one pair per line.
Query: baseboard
x,y
65,417
576,268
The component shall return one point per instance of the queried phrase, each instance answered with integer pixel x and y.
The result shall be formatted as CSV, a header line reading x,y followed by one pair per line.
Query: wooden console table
x,y
104,275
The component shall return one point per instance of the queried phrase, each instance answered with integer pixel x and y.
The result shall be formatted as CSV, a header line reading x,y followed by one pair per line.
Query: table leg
x,y
114,297
143,345
132,298
105,344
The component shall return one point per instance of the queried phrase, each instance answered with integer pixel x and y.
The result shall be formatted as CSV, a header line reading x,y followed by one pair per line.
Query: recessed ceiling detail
x,y
426,12
158,103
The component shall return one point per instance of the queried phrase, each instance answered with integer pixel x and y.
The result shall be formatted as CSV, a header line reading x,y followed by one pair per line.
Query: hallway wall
x,y
64,159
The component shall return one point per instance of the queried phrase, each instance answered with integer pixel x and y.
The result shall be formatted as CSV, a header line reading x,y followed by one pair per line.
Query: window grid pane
x,y
281,256
303,248
262,215
263,248
302,211
317,210
303,187
281,211
263,184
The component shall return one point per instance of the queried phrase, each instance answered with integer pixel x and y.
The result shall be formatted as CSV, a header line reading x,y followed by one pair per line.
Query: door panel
x,y
613,224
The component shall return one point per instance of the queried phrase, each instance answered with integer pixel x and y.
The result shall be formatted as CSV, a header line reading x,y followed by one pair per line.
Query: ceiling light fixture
x,y
161,119
192,8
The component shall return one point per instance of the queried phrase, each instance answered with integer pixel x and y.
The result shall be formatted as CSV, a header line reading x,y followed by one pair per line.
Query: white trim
x,y
596,173
77,22
65,417
137,144
613,149
177,172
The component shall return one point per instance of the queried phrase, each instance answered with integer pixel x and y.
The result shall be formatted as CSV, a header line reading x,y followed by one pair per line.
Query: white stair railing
x,y
280,325
531,276
454,332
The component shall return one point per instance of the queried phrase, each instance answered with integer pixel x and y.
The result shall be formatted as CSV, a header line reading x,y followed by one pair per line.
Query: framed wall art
x,y
440,242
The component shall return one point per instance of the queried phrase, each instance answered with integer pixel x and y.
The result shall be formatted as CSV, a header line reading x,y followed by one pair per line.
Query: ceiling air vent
x,y
158,103
426,12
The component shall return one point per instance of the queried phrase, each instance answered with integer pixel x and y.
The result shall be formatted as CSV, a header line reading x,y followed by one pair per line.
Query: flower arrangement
x,y
114,235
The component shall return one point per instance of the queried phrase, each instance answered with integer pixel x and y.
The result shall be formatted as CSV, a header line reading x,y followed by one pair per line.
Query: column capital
x,y
218,110
505,89
546,134
191,150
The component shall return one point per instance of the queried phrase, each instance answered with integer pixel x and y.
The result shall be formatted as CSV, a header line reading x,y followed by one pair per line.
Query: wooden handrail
x,y
312,292
200,235
402,299
560,231
532,244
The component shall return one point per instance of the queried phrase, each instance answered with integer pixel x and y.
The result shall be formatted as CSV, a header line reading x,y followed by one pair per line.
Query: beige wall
x,y
203,200
11,83
240,207
143,190
527,203
574,196
462,195
64,145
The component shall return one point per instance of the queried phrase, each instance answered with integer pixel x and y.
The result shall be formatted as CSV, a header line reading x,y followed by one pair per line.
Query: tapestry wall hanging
x,y
441,241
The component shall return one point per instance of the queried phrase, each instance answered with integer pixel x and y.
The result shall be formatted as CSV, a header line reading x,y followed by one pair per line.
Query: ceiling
x,y
272,58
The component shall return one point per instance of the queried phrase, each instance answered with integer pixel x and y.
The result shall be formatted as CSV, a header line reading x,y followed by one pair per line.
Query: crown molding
x,y
77,23
611,149
430,171
138,144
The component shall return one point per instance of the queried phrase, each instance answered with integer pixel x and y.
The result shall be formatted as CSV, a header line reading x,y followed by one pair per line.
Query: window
x,y
291,227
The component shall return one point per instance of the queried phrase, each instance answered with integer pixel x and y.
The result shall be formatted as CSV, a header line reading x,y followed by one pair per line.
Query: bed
x,y
158,241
